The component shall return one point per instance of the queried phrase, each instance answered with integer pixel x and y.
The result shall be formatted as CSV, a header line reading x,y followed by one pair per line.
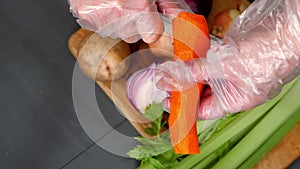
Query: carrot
x,y
191,40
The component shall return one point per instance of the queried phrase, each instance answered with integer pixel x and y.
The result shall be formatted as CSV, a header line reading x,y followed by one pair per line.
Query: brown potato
x,y
103,59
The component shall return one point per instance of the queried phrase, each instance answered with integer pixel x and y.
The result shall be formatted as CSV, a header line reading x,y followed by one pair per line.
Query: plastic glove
x,y
260,53
129,20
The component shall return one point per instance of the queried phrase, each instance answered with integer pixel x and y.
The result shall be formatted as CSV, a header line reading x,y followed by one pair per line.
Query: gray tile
x,y
109,152
96,157
39,128
295,164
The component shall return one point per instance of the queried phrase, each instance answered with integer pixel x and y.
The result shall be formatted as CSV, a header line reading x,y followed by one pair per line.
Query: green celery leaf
x,y
150,131
169,159
154,111
146,166
151,163
150,147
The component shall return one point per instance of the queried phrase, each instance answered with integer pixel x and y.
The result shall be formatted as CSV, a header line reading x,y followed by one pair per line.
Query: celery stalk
x,y
271,142
214,156
207,161
237,127
279,114
221,138
217,141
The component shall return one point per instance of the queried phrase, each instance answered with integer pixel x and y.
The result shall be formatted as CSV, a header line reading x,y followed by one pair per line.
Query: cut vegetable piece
x,y
182,119
191,40
190,36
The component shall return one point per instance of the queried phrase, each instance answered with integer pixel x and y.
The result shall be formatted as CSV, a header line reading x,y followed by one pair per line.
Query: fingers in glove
x,y
126,30
138,5
171,8
125,19
198,70
173,76
149,26
210,108
225,98
146,20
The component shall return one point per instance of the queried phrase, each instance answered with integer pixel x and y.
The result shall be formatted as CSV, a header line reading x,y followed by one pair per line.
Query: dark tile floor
x,y
39,128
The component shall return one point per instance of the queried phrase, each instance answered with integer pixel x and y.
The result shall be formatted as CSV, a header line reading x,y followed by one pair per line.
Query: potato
x,y
103,59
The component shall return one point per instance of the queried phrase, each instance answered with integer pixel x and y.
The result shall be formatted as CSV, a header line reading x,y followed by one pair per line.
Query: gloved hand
x,y
129,20
260,53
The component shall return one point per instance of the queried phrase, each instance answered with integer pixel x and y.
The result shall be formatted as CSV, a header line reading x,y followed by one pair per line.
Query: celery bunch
x,y
251,135
235,141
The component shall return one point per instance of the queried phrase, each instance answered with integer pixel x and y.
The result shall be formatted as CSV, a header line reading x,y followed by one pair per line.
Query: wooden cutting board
x,y
281,156
117,95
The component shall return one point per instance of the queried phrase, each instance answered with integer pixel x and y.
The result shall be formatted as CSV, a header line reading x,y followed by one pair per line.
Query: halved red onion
x,y
141,88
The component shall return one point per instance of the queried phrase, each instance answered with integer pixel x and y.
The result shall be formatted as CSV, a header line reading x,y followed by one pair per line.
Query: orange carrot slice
x,y
191,40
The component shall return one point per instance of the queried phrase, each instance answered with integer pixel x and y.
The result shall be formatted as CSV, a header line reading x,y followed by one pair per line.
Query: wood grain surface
x,y
280,157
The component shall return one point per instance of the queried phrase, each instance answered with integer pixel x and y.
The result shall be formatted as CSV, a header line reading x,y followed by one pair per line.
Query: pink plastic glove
x,y
260,53
129,20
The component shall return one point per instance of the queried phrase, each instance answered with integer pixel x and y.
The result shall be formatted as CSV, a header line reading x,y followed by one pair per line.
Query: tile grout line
x,y
90,146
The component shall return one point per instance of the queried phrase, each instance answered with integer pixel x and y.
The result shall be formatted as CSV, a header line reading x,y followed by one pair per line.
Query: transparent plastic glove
x,y
129,20
260,53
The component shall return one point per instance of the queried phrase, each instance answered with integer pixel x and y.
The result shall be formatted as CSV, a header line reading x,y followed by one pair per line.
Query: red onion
x,y
141,88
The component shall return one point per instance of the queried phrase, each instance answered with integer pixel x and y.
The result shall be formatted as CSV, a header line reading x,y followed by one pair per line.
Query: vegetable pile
x,y
235,141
